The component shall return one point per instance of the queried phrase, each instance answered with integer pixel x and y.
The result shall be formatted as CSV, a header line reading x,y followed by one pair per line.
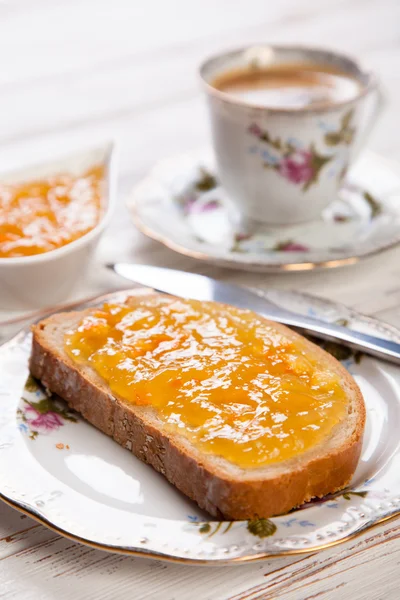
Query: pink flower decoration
x,y
195,207
341,218
291,247
42,422
242,237
210,206
255,129
297,168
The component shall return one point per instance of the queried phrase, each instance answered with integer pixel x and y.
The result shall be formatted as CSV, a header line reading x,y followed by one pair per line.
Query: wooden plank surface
x,y
36,563
74,72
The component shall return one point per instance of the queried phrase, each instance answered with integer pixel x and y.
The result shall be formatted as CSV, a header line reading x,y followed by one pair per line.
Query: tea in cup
x,y
287,123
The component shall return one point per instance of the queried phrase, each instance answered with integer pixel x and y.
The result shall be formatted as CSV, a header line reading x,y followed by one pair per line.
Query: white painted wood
x,y
74,72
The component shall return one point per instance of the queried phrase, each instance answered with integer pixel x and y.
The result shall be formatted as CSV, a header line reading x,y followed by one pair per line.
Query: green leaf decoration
x,y
347,495
273,166
374,205
44,406
345,134
280,246
31,384
347,118
290,148
275,143
239,238
206,182
317,162
332,139
236,247
261,527
362,494
228,526
217,528
308,184
338,351
342,322
66,415
205,528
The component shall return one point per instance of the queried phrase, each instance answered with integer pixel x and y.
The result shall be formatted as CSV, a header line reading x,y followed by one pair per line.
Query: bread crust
x,y
224,491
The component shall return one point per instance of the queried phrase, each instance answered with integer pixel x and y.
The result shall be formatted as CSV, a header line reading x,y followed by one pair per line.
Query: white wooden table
x,y
76,72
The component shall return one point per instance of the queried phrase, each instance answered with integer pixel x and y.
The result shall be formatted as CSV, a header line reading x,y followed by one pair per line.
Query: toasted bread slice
x,y
218,486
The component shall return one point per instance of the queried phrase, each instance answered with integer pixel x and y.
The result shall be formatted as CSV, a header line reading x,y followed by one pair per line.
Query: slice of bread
x,y
217,485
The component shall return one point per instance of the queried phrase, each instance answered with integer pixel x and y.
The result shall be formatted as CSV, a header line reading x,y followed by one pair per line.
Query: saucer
x,y
181,204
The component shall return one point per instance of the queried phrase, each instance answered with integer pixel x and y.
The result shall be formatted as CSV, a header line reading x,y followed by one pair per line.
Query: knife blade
x,y
200,287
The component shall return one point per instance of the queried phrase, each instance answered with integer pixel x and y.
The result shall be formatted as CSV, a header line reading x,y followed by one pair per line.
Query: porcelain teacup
x,y
282,166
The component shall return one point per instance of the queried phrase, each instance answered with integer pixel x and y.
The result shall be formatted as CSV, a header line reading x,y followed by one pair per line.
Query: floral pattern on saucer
x,y
182,205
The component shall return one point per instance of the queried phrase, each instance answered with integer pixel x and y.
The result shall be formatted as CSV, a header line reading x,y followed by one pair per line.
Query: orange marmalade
x,y
40,216
223,377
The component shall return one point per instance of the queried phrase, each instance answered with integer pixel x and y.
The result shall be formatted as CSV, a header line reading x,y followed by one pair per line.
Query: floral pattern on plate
x,y
40,413
182,205
98,493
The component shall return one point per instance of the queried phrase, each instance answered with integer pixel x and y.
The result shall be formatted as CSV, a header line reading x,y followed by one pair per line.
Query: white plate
x,y
71,477
181,205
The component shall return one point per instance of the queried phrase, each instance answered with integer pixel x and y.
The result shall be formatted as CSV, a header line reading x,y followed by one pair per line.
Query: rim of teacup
x,y
368,79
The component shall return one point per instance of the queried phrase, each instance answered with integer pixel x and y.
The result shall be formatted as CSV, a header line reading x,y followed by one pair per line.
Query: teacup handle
x,y
378,104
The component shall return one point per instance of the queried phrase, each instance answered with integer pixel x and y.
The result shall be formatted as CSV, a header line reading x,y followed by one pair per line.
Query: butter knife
x,y
199,287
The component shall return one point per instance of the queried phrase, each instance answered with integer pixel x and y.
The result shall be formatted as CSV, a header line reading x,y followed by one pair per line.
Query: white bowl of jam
x,y
51,218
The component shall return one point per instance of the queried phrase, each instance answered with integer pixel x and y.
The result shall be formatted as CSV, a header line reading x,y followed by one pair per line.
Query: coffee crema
x,y
288,85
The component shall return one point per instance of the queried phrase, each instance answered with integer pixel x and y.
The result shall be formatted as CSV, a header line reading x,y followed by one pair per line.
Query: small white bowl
x,y
40,280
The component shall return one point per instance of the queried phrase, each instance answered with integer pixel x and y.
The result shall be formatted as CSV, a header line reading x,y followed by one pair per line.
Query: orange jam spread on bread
x,y
234,384
39,216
